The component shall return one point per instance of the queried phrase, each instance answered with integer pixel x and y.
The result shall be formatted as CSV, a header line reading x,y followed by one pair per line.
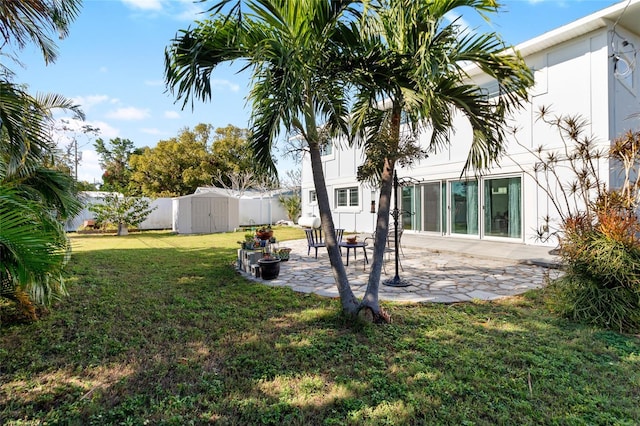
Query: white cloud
x,y
150,131
106,130
89,167
87,102
191,12
181,10
173,115
129,113
215,83
144,4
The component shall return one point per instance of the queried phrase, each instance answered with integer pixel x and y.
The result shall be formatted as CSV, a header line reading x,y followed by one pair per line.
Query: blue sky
x,y
112,65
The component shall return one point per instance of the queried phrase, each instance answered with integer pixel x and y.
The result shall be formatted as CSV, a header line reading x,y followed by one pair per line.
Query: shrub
x,y
599,229
602,281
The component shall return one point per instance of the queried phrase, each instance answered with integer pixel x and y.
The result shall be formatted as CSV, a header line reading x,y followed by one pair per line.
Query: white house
x,y
588,67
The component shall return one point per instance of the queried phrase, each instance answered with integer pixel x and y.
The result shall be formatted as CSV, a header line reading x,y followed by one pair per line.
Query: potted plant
x,y
269,266
264,233
249,242
283,253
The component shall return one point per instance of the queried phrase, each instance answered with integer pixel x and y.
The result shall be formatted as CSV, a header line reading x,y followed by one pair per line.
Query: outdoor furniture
x,y
315,238
354,246
390,247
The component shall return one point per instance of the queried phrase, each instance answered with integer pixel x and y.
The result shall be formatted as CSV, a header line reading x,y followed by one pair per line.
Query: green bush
x,y
587,300
602,281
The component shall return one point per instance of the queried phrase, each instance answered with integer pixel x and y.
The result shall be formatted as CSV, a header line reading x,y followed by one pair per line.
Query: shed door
x,y
201,215
219,209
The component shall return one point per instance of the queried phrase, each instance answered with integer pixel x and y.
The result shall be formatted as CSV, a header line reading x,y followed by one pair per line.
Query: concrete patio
x,y
441,270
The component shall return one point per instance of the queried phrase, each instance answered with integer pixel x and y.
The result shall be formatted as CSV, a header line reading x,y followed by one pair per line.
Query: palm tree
x,y
304,55
33,198
418,75
25,21
293,50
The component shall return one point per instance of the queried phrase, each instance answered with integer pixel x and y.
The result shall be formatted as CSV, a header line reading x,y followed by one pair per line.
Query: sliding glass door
x,y
502,207
489,207
432,207
464,207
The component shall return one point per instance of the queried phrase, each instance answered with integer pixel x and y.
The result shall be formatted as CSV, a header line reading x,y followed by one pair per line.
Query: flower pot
x,y
264,235
283,254
269,268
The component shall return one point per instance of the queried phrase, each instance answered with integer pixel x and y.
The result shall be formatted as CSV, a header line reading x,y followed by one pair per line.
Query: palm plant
x,y
33,245
25,21
305,55
294,52
418,75
33,198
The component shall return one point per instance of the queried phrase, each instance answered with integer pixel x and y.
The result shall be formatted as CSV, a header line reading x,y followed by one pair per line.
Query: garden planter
x,y
264,235
269,268
283,253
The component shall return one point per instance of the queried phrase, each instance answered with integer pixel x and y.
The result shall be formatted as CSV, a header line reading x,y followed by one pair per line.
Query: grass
x,y
159,329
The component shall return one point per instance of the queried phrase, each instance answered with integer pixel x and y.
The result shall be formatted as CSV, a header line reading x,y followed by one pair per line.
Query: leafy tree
x,y
302,56
121,211
231,150
236,166
114,160
176,166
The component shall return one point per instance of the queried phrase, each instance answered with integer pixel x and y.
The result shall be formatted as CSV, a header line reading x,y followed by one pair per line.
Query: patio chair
x,y
390,247
315,239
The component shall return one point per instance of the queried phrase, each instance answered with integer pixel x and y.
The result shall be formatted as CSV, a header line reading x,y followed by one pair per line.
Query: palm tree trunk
x,y
371,300
350,303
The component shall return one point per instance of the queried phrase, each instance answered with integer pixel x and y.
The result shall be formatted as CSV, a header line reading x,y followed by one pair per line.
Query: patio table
x,y
353,247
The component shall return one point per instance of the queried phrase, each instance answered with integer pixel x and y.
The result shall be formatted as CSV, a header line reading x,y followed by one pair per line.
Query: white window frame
x,y
349,191
313,197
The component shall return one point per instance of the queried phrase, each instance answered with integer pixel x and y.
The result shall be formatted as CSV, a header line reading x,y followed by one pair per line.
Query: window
x,y
347,197
326,149
312,197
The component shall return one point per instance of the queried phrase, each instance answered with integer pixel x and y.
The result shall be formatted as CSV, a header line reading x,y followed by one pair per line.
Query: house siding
x,y
572,77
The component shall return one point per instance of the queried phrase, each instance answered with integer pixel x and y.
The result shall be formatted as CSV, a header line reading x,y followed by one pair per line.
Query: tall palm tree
x,y
305,54
418,75
293,49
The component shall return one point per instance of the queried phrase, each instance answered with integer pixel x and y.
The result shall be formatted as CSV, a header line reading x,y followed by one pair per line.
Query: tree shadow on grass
x,y
174,335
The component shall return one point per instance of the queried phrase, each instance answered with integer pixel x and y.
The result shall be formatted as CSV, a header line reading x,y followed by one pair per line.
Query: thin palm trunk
x,y
370,299
350,303
348,300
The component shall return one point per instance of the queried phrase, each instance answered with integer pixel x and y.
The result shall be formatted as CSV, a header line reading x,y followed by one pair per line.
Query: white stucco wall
x,y
160,218
573,78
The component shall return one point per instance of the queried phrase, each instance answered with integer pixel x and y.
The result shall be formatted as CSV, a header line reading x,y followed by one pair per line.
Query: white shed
x,y
255,207
205,213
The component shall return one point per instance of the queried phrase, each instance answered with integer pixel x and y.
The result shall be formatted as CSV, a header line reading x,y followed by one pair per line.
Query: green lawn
x,y
160,329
